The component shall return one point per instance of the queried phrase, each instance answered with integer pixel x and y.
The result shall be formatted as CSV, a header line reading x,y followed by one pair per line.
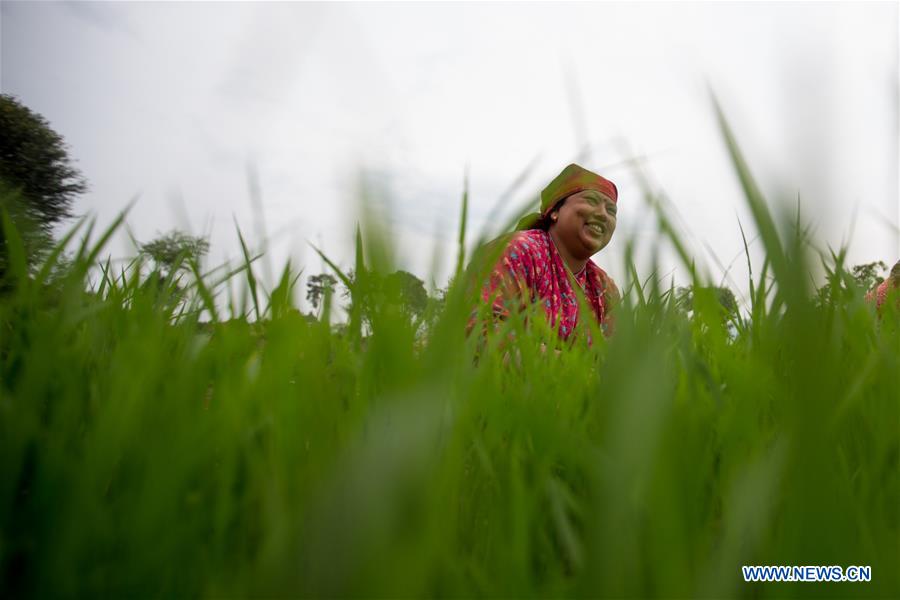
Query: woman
x,y
552,251
880,293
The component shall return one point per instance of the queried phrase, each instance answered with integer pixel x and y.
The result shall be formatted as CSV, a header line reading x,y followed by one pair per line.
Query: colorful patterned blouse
x,y
531,270
879,294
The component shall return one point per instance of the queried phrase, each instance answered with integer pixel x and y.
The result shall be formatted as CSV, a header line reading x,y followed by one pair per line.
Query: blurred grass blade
x,y
251,279
464,210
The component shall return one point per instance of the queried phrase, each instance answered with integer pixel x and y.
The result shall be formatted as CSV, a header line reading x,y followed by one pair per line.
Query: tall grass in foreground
x,y
145,452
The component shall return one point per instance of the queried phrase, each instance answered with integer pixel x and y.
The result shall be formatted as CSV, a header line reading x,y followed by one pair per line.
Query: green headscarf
x,y
571,180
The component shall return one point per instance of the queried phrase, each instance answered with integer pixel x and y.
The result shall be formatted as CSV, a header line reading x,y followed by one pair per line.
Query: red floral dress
x,y
531,270
879,295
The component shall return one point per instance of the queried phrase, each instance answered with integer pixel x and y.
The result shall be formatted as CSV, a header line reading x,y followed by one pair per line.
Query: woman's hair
x,y
545,221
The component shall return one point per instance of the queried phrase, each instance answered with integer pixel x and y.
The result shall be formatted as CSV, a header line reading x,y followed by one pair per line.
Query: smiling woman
x,y
554,249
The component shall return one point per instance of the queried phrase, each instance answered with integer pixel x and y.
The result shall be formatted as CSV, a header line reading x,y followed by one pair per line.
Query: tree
x,y
34,160
865,275
408,291
318,286
686,298
35,239
174,251
173,255
399,289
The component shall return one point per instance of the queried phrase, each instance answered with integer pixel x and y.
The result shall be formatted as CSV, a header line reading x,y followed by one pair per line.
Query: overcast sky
x,y
177,103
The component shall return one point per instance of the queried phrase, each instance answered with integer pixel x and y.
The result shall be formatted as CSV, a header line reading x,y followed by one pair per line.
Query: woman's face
x,y
585,222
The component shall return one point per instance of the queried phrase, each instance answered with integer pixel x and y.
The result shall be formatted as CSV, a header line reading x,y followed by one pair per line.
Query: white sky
x,y
173,102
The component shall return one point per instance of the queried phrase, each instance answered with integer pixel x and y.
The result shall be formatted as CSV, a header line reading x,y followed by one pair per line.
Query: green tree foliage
x,y
34,159
837,287
175,251
174,255
407,290
37,180
318,287
35,239
867,276
686,299
400,289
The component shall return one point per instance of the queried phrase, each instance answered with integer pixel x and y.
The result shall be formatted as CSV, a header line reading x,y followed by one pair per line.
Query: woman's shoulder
x,y
596,271
607,284
519,243
515,250
531,240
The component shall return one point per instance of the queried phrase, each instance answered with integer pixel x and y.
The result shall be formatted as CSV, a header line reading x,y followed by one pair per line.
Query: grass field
x,y
153,443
